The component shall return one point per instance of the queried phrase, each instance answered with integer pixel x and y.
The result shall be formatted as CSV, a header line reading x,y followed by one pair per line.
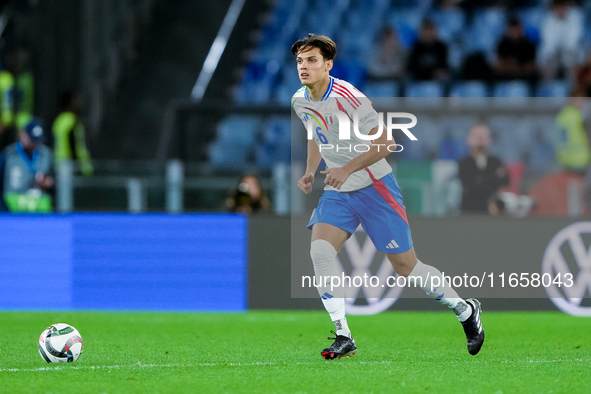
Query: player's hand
x,y
305,183
335,177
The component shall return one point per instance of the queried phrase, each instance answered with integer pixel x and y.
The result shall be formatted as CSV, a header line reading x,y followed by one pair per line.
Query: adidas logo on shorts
x,y
392,245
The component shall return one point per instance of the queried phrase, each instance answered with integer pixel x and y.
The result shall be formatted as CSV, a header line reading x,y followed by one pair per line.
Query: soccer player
x,y
360,189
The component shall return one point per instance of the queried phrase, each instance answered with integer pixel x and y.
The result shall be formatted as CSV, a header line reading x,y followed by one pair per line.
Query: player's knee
x,y
322,252
403,265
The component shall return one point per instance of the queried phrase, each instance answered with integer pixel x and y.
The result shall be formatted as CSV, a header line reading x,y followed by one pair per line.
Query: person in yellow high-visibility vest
x,y
573,152
6,112
24,87
68,131
17,94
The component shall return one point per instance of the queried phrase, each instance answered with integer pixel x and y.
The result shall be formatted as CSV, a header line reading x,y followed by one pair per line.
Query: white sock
x,y
342,327
324,259
444,293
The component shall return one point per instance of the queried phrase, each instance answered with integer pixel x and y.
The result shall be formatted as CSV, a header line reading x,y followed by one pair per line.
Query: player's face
x,y
312,67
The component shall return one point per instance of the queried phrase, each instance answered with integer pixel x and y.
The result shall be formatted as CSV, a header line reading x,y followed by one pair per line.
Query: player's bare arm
x,y
305,182
336,177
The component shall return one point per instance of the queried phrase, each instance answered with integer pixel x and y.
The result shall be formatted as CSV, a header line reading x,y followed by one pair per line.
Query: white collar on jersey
x,y
307,95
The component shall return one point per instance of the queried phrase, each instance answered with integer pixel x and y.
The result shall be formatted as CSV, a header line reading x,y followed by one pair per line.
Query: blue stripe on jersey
x,y
329,89
326,94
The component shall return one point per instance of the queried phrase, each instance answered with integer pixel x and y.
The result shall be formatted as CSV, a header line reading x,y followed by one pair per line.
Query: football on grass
x,y
60,343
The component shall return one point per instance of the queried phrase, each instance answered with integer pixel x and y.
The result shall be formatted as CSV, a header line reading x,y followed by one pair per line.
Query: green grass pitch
x,y
274,352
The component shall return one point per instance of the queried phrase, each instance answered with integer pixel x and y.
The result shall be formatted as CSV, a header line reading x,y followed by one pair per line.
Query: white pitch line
x,y
140,365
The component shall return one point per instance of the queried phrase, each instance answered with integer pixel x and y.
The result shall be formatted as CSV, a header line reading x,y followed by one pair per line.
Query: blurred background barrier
x,y
114,261
226,262
133,65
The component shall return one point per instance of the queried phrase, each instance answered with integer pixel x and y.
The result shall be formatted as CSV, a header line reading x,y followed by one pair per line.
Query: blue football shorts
x,y
378,208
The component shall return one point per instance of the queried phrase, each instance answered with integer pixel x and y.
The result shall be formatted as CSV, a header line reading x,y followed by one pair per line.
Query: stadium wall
x,y
123,262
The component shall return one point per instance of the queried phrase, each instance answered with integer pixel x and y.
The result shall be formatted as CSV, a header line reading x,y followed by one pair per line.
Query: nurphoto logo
x,y
316,120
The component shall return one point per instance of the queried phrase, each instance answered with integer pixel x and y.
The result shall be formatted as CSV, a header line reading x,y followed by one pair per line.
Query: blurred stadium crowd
x,y
430,48
522,58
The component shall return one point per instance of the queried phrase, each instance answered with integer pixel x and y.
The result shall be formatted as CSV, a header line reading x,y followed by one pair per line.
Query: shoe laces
x,y
333,333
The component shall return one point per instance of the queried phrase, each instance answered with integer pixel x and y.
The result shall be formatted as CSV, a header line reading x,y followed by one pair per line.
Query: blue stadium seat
x,y
456,55
428,133
479,41
411,3
542,156
509,94
513,137
407,36
457,127
511,89
490,20
227,155
450,23
381,89
283,94
326,22
238,130
486,30
369,5
552,89
250,92
427,93
236,136
352,72
290,83
552,94
424,89
531,16
353,44
277,131
261,70
451,149
406,17
533,34
469,89
259,78
276,142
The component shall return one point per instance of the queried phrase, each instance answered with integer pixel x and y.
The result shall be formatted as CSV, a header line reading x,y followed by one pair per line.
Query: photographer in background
x,y
248,197
25,169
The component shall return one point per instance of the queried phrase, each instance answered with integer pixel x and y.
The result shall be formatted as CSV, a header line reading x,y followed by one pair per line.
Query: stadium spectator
x,y
572,149
481,174
68,131
388,58
475,67
16,94
561,34
428,56
248,197
516,55
25,172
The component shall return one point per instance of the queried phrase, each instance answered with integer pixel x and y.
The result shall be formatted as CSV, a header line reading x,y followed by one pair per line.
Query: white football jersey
x,y
341,97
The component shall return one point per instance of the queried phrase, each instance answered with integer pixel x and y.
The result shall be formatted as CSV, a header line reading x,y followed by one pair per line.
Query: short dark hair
x,y
328,48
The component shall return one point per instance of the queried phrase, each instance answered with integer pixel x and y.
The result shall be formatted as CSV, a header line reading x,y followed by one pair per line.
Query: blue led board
x,y
120,261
